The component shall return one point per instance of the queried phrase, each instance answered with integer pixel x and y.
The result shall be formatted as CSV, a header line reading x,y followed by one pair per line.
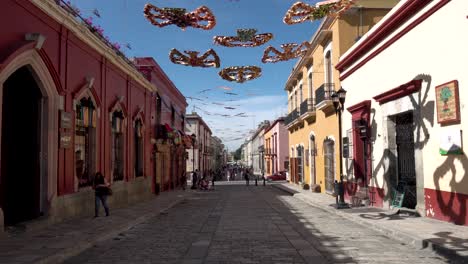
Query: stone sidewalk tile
x,y
56,243
441,237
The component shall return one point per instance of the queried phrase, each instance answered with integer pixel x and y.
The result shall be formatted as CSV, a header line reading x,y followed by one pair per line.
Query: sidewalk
x,y
56,243
420,232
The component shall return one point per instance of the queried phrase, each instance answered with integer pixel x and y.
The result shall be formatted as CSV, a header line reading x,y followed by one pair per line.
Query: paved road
x,y
255,224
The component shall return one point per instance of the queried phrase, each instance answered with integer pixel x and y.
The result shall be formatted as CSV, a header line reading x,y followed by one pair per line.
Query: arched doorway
x,y
313,151
329,160
22,180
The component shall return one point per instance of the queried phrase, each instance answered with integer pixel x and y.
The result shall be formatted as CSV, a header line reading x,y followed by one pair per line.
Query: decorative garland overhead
x,y
244,38
240,74
290,51
207,59
162,17
300,12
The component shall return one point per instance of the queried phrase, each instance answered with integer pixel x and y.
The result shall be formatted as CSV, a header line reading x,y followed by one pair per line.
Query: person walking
x,y
183,179
101,190
246,176
194,179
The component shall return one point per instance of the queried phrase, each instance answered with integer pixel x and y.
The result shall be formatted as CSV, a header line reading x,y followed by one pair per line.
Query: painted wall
x,y
72,54
343,33
417,55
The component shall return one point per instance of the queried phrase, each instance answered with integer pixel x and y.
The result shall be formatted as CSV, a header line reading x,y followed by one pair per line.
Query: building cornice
x,y
348,63
54,11
399,92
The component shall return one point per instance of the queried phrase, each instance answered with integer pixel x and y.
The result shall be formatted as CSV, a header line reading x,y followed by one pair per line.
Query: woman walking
x,y
102,190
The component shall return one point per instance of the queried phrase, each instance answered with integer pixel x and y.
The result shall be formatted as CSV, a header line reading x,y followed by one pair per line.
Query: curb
x,y
63,255
396,235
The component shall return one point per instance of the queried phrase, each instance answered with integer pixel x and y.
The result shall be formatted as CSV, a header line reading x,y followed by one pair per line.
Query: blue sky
x,y
261,99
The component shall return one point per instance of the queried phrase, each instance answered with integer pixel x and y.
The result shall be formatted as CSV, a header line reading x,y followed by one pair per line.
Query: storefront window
x,y
85,141
117,145
138,148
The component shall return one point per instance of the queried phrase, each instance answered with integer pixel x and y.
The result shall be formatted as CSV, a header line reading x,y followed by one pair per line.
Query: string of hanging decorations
x,y
290,51
202,17
244,38
240,74
207,59
300,12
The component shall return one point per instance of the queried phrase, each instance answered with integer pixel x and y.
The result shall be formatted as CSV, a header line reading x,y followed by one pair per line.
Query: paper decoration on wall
x,y
290,51
162,17
240,74
244,38
451,142
300,12
207,59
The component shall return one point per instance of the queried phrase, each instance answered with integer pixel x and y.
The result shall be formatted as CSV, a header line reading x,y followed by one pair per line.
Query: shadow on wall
x,y
452,205
423,116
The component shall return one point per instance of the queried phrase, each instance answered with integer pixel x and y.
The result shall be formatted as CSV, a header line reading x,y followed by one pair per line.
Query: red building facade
x,y
71,106
170,141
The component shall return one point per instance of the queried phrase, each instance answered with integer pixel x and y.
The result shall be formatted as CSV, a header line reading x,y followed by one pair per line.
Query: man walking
x,y
246,176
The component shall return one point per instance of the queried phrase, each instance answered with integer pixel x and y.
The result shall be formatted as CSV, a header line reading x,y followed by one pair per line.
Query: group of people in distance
x,y
202,181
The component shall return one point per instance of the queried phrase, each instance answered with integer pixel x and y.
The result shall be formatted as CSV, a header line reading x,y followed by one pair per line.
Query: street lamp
x,y
338,99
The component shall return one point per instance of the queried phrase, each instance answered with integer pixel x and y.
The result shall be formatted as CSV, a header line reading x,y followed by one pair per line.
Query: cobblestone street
x,y
255,224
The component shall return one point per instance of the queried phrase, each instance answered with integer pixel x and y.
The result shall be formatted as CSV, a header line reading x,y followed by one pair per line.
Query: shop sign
x,y
65,120
65,140
451,142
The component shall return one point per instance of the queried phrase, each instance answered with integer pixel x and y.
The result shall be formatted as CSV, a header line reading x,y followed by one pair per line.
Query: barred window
x,y
117,145
138,148
85,141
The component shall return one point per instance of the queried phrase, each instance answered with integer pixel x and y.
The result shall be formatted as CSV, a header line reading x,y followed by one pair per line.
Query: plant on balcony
x,y
70,8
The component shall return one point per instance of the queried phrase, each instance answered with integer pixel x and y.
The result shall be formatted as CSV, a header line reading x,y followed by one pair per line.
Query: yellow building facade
x,y
312,122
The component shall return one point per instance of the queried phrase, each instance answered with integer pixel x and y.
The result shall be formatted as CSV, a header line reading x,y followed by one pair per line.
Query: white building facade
x,y
405,109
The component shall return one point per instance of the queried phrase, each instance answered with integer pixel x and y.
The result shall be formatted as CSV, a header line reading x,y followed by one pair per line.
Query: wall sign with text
x,y
447,103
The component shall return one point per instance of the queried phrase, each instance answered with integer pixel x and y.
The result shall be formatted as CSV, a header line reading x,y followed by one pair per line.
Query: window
x,y
310,85
85,141
138,148
158,109
295,100
328,68
117,145
300,163
300,93
172,116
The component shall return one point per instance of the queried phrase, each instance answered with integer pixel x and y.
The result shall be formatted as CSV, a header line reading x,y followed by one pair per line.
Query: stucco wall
x,y
434,51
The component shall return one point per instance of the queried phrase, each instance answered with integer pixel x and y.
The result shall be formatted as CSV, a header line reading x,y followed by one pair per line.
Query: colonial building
x,y
258,148
72,105
218,159
169,140
312,121
405,109
276,147
199,156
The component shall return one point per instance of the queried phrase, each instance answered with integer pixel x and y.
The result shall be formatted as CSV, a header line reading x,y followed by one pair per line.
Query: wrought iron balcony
x,y
323,96
307,108
291,118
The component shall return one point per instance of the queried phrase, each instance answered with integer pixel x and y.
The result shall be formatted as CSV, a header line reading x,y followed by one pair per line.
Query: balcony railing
x,y
291,117
324,92
323,95
307,106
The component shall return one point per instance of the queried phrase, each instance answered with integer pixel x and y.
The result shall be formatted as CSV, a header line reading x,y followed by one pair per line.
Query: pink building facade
x,y
276,147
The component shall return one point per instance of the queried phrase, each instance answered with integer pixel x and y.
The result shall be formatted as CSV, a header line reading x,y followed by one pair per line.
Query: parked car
x,y
279,176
